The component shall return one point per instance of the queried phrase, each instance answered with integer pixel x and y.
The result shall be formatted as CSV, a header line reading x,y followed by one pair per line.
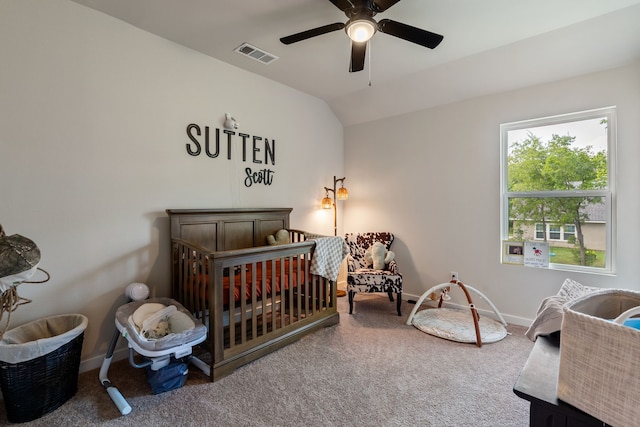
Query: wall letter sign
x,y
255,149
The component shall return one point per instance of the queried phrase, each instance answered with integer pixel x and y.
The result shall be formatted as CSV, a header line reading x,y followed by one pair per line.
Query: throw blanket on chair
x,y
328,255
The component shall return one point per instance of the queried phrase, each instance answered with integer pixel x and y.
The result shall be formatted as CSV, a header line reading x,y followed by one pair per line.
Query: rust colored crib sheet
x,y
290,269
269,283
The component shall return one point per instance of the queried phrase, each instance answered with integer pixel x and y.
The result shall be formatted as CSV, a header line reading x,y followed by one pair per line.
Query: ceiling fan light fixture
x,y
361,30
361,27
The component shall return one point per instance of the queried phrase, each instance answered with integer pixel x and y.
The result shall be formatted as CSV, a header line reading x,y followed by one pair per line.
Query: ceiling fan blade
x,y
409,33
358,50
312,33
382,5
342,4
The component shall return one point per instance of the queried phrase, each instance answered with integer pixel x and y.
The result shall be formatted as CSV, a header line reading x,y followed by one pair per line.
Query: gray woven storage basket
x,y
39,363
600,360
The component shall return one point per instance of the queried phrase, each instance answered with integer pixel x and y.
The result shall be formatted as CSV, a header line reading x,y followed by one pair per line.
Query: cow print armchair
x,y
362,278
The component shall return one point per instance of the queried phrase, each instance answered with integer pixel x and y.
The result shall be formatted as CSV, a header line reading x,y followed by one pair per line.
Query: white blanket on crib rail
x,y
328,255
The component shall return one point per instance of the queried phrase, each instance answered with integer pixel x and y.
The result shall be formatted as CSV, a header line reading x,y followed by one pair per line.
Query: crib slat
x,y
254,302
178,270
315,293
274,292
200,292
319,292
215,301
300,291
283,287
192,262
188,273
263,298
231,298
243,304
306,283
290,294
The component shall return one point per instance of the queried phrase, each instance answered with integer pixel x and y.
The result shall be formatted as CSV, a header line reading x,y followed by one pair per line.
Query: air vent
x,y
254,53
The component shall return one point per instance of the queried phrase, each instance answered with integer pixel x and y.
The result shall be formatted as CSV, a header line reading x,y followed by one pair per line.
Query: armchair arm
x,y
351,263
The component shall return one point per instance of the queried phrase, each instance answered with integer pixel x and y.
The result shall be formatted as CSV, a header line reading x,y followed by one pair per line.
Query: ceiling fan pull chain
x,y
369,50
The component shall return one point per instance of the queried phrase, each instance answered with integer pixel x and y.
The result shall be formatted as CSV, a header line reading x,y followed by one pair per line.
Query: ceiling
x,y
489,46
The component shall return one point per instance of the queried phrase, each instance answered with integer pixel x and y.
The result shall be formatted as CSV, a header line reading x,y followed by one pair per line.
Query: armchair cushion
x,y
370,280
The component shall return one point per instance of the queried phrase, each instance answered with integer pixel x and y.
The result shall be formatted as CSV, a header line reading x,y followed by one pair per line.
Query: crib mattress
x,y
191,336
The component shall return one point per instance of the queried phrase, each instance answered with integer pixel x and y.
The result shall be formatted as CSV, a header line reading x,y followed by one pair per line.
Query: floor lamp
x,y
329,203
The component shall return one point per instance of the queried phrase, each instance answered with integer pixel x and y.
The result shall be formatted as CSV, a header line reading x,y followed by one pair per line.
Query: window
x,y
555,232
569,232
557,185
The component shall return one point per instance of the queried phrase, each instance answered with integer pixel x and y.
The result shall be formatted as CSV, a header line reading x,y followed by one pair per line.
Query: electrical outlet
x,y
454,275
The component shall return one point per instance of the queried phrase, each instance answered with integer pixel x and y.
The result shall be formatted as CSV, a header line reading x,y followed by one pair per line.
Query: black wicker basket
x,y
36,387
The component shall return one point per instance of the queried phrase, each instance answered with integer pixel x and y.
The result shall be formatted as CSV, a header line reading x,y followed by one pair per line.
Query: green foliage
x,y
571,256
557,165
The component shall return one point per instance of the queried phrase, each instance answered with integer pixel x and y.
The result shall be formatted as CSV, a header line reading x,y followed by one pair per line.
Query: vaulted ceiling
x,y
489,46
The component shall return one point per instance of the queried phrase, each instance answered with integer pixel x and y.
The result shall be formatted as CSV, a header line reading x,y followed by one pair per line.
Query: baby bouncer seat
x,y
164,333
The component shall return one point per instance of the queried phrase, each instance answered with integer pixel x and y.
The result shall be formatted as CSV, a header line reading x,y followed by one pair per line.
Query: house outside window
x,y
557,186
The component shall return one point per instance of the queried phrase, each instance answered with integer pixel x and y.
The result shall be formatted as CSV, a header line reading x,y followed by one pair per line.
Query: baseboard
x,y
96,362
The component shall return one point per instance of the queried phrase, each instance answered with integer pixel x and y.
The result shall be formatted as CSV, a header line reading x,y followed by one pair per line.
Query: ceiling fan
x,y
361,27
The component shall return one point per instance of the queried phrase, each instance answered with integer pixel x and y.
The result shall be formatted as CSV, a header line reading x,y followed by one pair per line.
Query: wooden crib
x,y
252,297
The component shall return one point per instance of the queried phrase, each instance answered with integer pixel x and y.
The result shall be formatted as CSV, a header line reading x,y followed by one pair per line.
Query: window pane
x,y
569,232
564,156
586,219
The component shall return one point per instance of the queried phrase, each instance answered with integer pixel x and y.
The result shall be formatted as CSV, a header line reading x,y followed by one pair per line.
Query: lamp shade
x,y
342,193
327,203
360,30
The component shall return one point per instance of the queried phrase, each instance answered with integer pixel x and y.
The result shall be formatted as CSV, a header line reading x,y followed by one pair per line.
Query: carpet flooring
x,y
369,370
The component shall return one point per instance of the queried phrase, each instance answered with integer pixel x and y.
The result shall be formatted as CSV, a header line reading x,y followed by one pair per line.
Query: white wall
x,y
92,152
433,178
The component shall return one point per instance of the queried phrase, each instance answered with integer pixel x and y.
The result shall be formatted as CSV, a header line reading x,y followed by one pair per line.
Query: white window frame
x,y
608,194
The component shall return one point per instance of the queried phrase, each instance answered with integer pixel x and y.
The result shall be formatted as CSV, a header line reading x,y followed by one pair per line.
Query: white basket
x,y
600,359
